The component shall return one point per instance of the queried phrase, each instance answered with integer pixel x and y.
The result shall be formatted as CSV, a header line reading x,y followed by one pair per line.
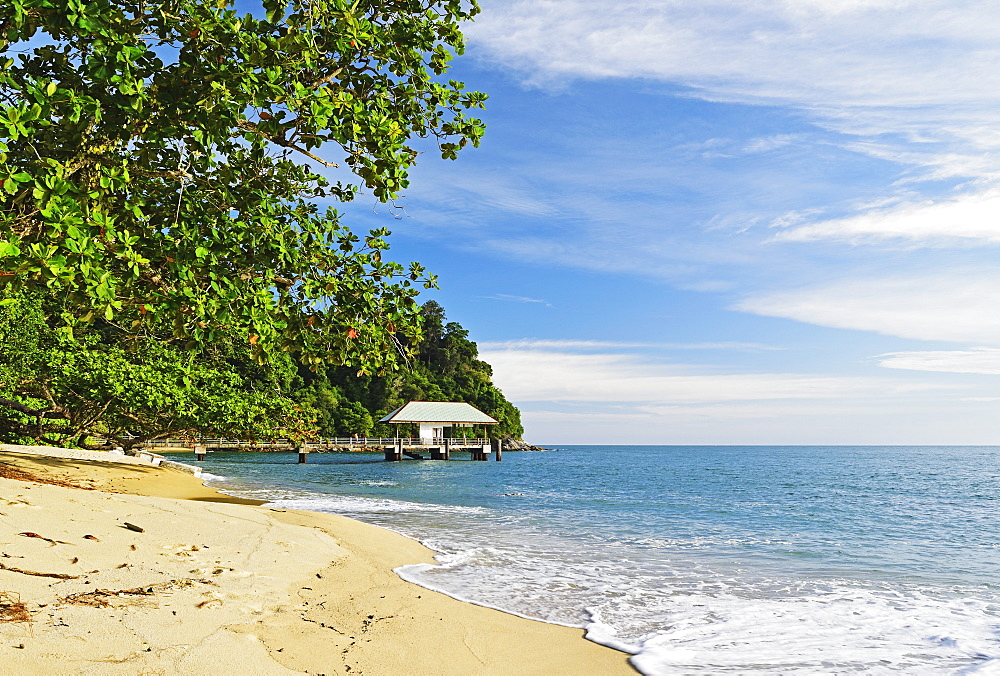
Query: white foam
x,y
690,620
208,476
412,573
605,634
847,630
339,504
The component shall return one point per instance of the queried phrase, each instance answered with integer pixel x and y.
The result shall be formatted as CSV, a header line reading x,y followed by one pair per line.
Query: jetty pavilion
x,y
433,418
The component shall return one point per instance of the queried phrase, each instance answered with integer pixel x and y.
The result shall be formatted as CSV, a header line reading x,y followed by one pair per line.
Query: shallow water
x,y
698,559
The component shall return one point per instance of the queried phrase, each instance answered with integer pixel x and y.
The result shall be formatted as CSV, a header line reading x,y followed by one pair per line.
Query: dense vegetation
x,y
59,389
163,164
166,266
445,367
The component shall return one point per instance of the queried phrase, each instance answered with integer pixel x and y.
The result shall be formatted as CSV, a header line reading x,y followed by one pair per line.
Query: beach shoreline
x,y
212,581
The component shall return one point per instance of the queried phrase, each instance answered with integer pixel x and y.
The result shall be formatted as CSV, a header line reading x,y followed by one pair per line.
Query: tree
x,y
447,368
57,390
160,164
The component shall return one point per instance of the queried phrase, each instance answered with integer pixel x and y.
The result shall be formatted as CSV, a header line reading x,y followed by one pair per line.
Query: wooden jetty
x,y
410,447
432,417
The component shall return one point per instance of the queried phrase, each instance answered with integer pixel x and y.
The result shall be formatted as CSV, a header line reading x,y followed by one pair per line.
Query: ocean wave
x,y
208,476
347,504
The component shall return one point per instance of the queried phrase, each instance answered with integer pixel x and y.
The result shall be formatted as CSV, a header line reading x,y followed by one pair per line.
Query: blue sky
x,y
727,222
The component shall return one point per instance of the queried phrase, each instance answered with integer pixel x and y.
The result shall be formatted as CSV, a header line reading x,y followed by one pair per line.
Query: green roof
x,y
438,412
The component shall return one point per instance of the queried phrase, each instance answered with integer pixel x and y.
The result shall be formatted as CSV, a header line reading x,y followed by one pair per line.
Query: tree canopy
x,y
160,164
59,390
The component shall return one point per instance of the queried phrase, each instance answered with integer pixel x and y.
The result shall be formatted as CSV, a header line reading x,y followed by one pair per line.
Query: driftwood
x,y
58,576
53,543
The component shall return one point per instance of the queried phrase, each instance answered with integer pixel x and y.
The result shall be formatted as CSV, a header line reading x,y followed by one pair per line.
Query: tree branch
x,y
247,125
33,412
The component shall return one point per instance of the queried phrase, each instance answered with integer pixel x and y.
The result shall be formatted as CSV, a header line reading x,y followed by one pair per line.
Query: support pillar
x,y
302,453
199,452
497,445
447,449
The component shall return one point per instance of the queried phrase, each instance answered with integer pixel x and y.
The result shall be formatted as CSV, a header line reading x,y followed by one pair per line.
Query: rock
x,y
519,445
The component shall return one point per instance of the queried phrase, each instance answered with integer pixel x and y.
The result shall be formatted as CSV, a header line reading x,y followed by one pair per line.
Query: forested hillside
x,y
445,367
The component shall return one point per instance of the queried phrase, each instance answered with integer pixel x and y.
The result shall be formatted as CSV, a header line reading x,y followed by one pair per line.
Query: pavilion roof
x,y
438,412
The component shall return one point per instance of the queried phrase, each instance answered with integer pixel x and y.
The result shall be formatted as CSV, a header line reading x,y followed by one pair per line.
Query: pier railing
x,y
312,445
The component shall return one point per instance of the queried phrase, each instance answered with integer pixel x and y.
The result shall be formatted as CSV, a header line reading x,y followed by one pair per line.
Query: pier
x,y
432,418
394,448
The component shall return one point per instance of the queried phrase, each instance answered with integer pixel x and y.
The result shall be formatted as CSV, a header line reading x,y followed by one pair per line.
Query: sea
x,y
695,559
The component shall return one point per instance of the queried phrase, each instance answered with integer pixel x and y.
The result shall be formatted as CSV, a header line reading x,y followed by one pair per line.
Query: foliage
x,y
447,368
57,390
158,164
336,415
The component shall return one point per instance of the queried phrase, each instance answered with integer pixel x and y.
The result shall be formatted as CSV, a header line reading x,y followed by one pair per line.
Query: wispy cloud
x,y
894,53
516,299
766,144
611,396
911,70
958,306
970,218
536,375
981,360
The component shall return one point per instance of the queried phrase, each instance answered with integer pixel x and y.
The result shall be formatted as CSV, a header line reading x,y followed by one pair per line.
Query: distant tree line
x,y
60,388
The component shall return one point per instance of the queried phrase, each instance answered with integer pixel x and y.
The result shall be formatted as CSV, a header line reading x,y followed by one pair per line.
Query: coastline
x,y
213,581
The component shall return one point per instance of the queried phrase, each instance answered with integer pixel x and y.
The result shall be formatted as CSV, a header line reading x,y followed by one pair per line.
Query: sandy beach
x,y
125,568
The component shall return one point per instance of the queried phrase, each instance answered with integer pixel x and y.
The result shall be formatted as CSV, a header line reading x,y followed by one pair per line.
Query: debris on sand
x,y
8,471
102,598
12,609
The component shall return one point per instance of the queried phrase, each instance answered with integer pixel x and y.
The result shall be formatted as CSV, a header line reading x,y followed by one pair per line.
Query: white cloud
x,y
907,52
567,397
535,375
981,360
920,70
926,422
959,307
768,143
971,217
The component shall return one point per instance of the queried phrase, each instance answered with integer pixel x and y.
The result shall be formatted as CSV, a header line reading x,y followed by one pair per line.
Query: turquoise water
x,y
697,559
